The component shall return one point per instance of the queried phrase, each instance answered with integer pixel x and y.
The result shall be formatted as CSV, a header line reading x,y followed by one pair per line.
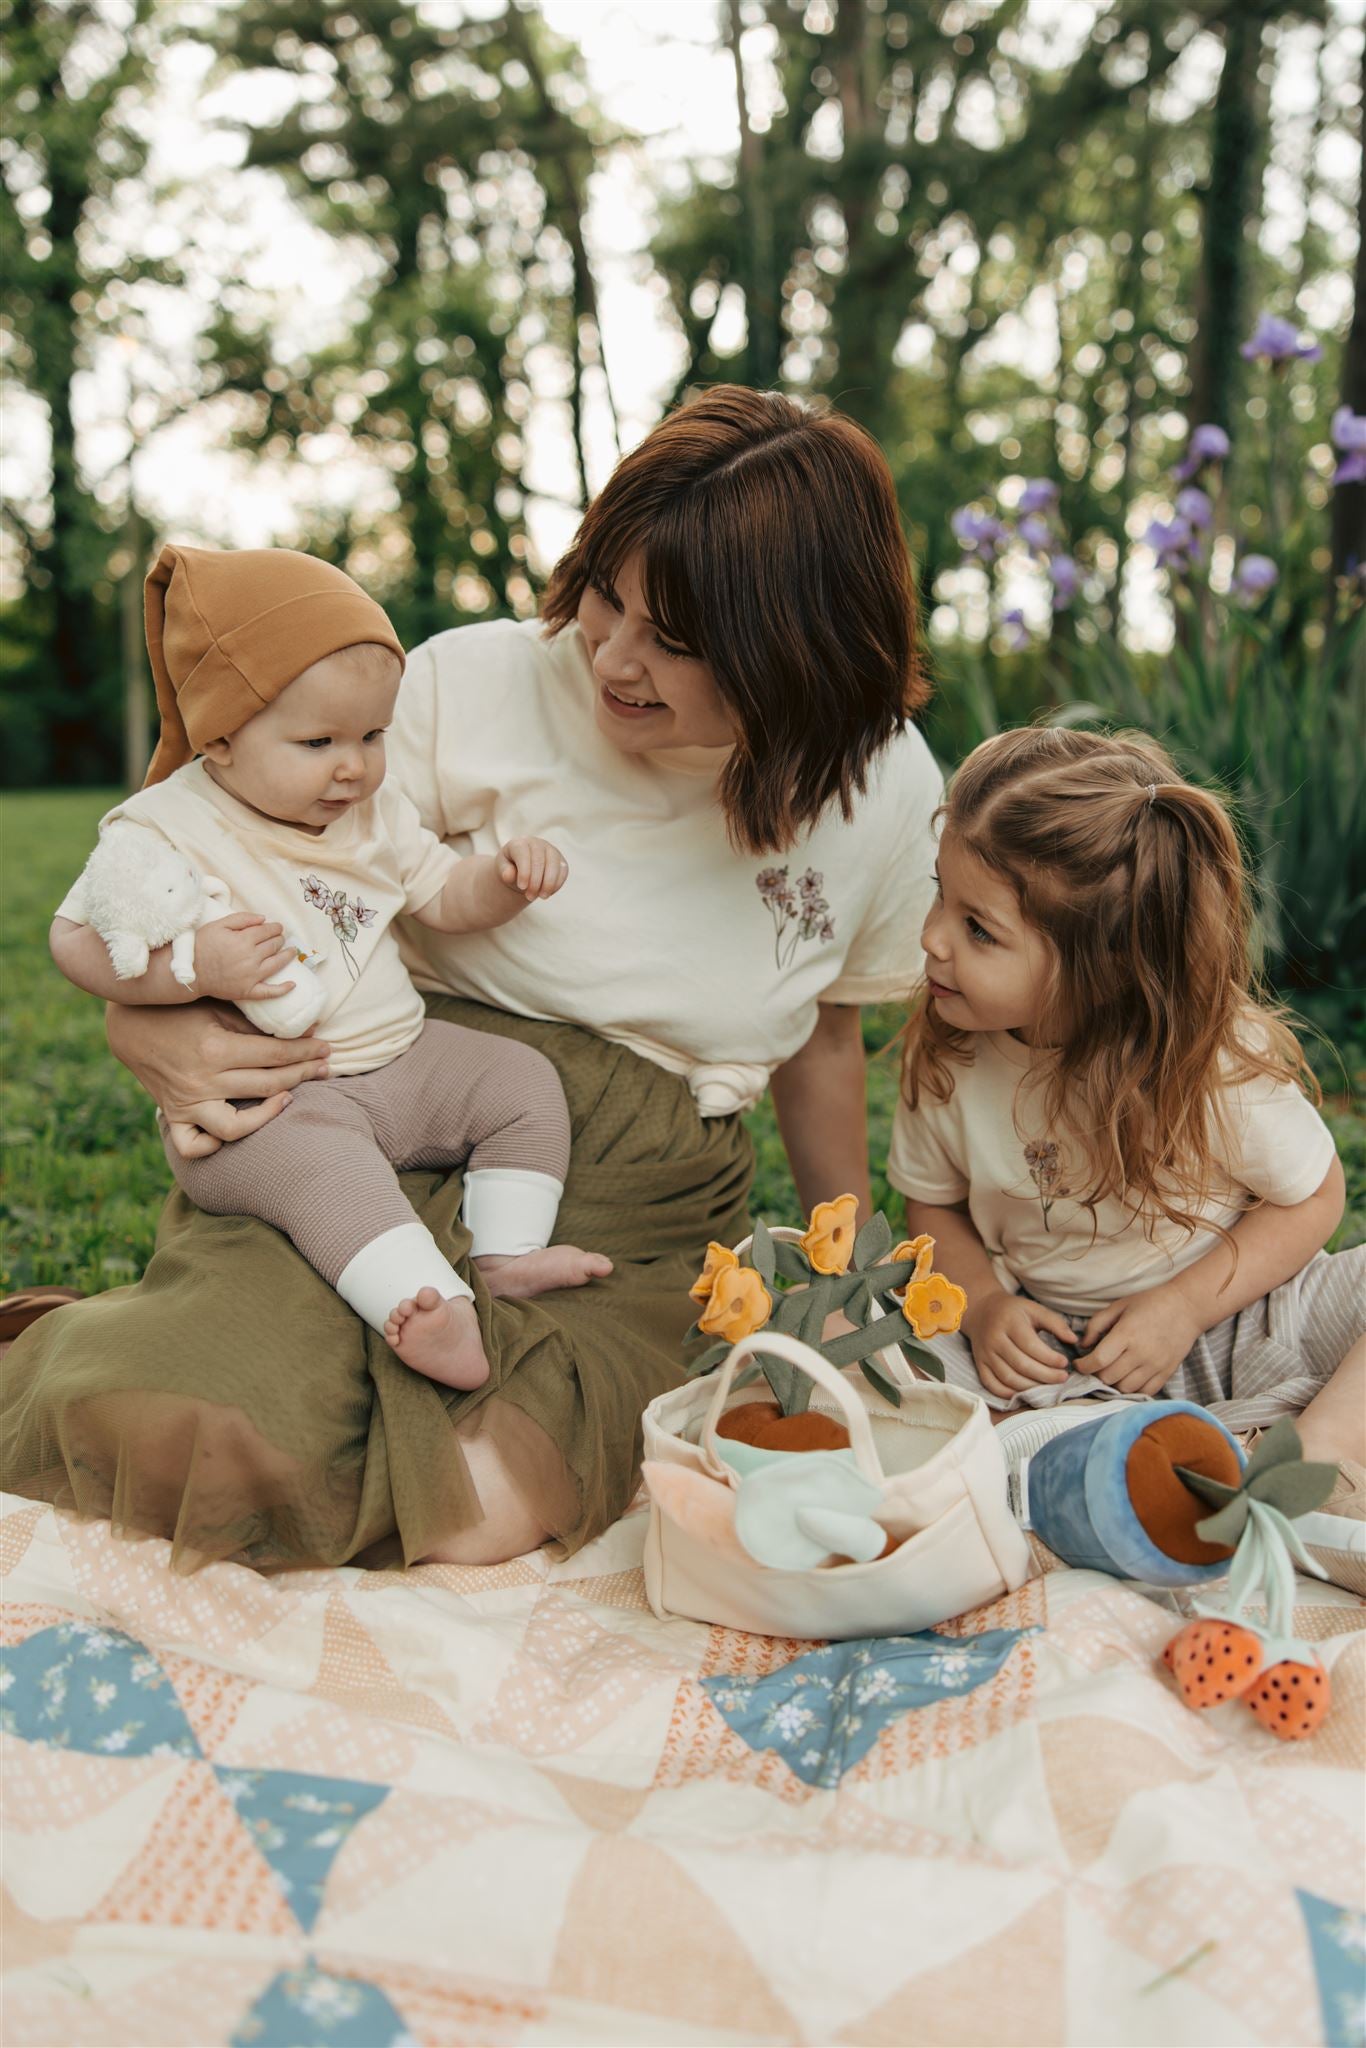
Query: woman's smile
x,y
629,707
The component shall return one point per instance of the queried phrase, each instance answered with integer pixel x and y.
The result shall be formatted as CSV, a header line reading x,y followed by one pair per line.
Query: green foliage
x,y
1276,1474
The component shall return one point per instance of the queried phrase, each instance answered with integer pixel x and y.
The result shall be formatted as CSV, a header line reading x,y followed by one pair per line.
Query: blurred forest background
x,y
396,281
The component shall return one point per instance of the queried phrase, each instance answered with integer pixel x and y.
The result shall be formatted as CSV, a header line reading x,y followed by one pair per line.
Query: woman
x,y
710,721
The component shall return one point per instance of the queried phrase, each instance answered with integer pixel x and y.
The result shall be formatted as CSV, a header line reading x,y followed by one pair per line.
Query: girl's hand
x,y
196,1060
1007,1348
235,958
534,866
1136,1345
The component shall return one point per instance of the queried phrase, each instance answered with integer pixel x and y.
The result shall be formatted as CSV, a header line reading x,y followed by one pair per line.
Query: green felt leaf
x,y
841,1289
927,1360
1280,1446
787,1315
1212,1490
706,1361
791,1260
858,1305
1293,1487
873,1242
856,1345
1228,1525
817,1309
894,1274
879,1380
792,1390
762,1254
692,1334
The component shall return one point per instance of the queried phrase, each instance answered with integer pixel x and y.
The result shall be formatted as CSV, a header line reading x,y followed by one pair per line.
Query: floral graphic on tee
x,y
798,909
347,917
1045,1170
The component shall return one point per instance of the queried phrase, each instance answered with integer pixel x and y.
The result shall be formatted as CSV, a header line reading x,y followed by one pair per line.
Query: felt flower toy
x,y
794,1281
829,1239
740,1304
931,1304
720,1259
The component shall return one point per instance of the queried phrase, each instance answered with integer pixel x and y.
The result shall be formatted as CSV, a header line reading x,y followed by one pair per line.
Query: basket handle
x,y
774,1344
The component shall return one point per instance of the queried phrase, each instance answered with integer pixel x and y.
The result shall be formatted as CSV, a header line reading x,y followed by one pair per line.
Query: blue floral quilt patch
x,y
823,1712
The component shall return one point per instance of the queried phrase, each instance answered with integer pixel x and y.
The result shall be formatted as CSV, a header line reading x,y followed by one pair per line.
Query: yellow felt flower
x,y
933,1306
740,1304
720,1259
829,1239
921,1249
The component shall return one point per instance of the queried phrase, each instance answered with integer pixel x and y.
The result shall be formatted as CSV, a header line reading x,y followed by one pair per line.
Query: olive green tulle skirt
x,y
231,1402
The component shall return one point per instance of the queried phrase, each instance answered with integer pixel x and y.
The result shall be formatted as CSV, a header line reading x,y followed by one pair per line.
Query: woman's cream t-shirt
x,y
336,892
664,938
987,1146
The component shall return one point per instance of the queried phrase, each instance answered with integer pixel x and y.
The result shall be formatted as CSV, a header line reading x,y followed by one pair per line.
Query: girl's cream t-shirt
x,y
987,1146
336,892
664,938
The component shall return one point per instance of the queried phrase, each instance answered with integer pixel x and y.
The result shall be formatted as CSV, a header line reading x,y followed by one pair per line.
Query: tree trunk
x,y
1235,155
1349,500
760,303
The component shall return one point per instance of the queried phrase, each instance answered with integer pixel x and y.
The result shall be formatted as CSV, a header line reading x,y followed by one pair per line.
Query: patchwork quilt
x,y
457,1806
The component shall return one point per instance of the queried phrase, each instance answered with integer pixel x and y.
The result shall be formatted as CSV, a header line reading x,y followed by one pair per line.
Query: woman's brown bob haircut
x,y
771,548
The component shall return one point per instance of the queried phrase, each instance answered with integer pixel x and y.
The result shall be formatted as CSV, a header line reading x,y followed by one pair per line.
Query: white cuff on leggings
x,y
391,1268
509,1210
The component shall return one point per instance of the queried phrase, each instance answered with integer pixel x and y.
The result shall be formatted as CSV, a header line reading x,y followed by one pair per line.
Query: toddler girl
x,y
281,674
1105,1131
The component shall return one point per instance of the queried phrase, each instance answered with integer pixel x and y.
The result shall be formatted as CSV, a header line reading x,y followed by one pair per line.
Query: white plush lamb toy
x,y
139,893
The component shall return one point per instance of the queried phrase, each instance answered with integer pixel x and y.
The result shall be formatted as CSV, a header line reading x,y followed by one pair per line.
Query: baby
x,y
281,675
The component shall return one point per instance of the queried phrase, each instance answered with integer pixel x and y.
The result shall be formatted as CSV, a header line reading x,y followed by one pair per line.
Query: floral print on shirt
x,y
347,918
799,910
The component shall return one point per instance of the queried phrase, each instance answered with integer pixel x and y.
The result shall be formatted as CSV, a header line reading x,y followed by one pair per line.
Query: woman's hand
x,y
194,1061
1008,1348
237,957
1136,1345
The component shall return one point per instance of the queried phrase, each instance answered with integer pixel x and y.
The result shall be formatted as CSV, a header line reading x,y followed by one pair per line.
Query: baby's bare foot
x,y
559,1265
440,1338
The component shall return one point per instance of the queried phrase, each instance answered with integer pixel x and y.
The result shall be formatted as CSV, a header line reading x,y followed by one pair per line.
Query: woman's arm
x,y
820,1097
195,1061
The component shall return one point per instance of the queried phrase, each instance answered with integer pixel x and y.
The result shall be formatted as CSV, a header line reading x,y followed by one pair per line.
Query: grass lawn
x,y
84,1172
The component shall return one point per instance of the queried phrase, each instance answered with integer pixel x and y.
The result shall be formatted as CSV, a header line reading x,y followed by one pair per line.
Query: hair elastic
x,y
1152,794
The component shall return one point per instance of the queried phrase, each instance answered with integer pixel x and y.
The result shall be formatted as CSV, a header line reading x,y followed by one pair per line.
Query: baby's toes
x,y
598,1264
427,1299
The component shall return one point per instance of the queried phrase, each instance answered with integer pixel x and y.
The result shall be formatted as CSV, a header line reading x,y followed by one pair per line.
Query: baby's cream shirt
x,y
665,938
336,892
987,1146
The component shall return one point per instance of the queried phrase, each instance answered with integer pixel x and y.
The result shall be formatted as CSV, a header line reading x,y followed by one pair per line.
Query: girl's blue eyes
x,y
978,933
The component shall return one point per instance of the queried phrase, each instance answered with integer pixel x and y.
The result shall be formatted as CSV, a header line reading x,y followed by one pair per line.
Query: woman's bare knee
x,y
508,1528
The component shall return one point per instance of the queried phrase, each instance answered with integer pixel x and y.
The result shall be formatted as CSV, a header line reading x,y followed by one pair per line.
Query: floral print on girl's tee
x,y
798,909
1045,1170
347,917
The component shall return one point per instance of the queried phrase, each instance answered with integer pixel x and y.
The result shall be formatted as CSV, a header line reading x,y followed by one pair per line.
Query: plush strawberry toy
x,y
1222,1655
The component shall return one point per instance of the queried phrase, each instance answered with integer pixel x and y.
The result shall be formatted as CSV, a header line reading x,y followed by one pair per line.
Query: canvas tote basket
x,y
942,1478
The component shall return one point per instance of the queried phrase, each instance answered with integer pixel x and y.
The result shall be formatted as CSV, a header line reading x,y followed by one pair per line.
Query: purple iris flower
x,y
1348,435
1193,505
1035,533
1038,495
1015,630
978,533
1277,340
1206,444
1172,541
1065,577
1253,577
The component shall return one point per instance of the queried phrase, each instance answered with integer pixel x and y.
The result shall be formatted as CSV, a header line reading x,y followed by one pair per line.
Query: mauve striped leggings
x,y
324,1170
